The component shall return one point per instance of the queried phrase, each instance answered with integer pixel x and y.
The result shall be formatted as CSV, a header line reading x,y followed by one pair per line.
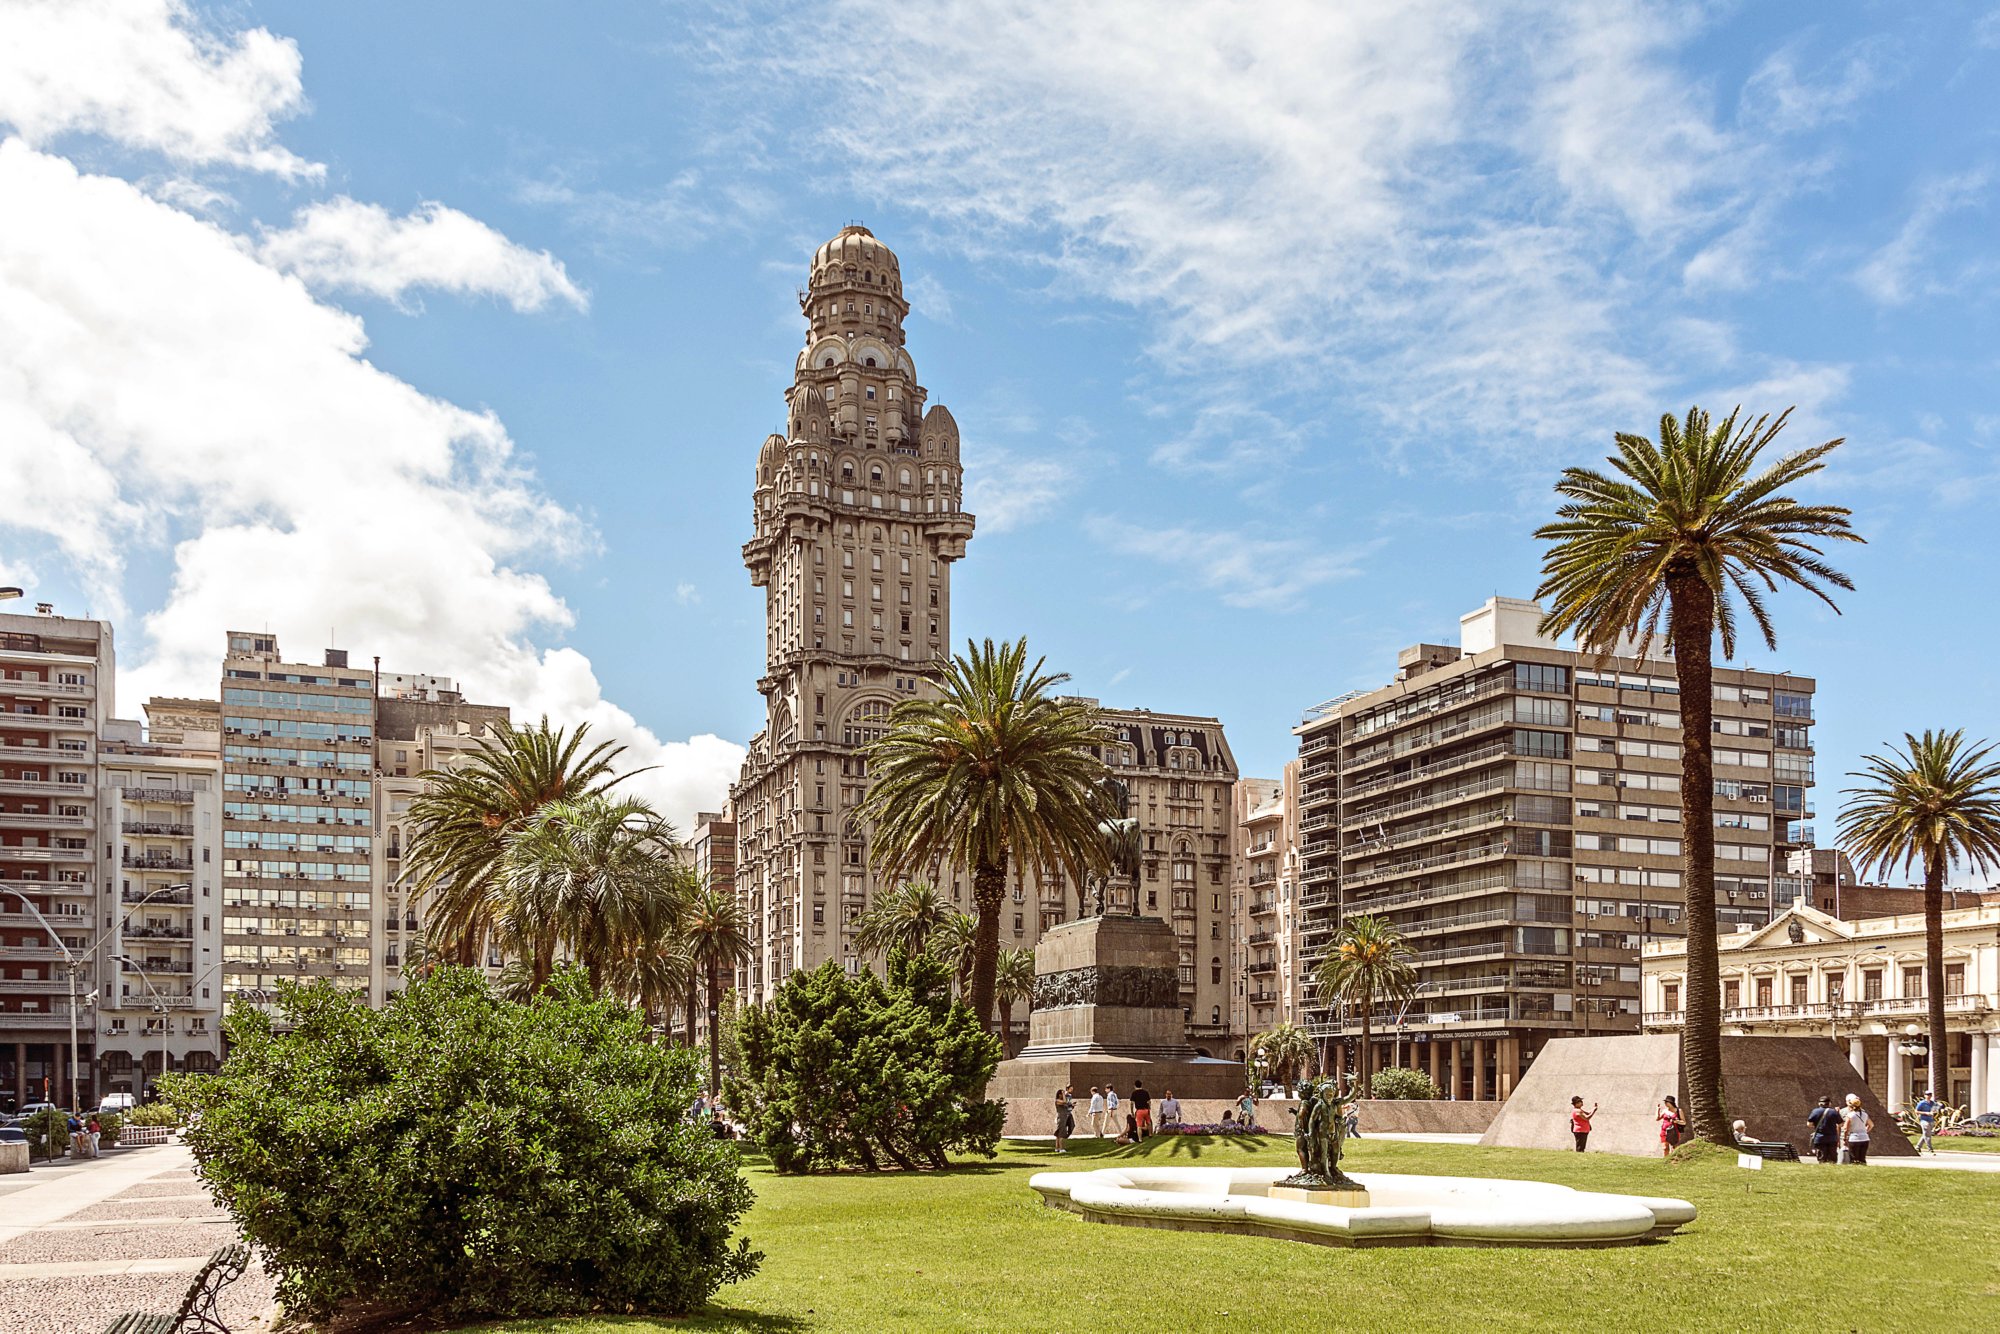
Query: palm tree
x,y
460,822
597,877
712,925
1369,961
656,976
997,770
1288,1051
905,916
1684,531
1936,802
1013,982
956,943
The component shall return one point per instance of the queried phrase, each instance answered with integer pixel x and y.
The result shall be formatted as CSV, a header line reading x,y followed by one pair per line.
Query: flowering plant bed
x,y
1192,1128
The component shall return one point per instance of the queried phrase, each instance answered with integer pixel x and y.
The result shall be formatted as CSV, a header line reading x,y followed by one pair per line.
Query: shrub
x,y
47,1133
852,1071
108,1125
1400,1084
155,1114
462,1156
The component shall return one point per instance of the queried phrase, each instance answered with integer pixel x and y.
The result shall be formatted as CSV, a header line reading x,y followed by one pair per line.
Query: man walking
x,y
1927,1110
1142,1110
1097,1110
1111,1105
1825,1122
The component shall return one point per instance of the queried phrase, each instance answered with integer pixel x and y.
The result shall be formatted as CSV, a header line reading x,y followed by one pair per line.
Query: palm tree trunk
x,y
1692,618
1940,1063
714,1028
687,1010
989,890
1006,1026
1367,1004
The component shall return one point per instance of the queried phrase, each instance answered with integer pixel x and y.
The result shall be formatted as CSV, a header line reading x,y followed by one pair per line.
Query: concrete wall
x,y
1771,1083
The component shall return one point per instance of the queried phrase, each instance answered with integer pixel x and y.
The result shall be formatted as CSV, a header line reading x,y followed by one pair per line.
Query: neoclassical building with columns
x,y
1861,983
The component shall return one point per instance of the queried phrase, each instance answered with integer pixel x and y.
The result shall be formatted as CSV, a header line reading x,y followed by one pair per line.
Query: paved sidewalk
x,y
82,1243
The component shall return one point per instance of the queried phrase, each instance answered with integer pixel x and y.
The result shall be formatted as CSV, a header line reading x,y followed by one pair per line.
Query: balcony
x,y
159,933
1395,870
44,690
177,796
57,1019
1423,833
156,862
158,897
38,787
157,828
1259,967
37,820
1263,907
1448,764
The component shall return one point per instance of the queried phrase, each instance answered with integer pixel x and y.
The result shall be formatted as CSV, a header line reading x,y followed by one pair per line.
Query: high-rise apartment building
x,y
1513,807
298,775
57,678
858,516
1264,881
160,799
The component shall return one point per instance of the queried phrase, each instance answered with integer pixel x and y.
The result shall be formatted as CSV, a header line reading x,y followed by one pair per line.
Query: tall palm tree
x,y
712,924
905,916
460,822
1936,802
1013,982
596,877
1288,1051
1369,961
955,943
1683,531
996,770
656,976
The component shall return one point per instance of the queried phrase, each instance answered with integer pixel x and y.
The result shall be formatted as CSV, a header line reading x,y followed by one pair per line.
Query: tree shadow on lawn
x,y
1167,1146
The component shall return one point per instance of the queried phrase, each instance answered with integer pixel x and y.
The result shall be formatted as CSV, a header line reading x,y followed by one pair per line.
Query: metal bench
x,y
197,1314
1771,1151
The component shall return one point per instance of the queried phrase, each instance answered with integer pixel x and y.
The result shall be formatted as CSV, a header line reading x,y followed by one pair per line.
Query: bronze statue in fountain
x,y
1320,1134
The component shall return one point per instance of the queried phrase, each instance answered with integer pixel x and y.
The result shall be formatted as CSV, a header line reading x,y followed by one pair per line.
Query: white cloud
x,y
686,593
1243,570
345,245
179,417
1781,97
1006,490
1894,274
1430,209
149,75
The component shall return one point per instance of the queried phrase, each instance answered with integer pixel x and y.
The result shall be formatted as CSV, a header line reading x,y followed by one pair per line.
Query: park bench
x,y
197,1314
1771,1151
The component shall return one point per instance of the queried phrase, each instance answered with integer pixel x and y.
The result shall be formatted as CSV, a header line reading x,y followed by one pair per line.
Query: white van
x,y
118,1102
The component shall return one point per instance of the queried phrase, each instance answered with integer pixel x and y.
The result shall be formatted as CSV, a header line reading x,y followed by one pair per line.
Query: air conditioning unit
x,y
1758,797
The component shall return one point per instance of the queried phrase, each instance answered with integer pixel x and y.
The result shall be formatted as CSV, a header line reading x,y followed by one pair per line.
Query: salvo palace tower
x,y
858,518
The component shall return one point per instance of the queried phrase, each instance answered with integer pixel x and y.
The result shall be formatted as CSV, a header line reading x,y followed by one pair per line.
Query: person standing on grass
x,y
1111,1107
1855,1127
1142,1110
1065,1119
1927,1110
1246,1109
1097,1110
1579,1120
1671,1120
1825,1122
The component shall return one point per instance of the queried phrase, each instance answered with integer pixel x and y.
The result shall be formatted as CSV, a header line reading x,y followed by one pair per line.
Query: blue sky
x,y
452,330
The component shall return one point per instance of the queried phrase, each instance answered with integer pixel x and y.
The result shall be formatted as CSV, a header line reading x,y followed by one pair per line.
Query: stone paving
x,y
83,1242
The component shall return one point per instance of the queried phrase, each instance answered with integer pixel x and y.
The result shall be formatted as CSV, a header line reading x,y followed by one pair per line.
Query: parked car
x,y
36,1107
13,1135
118,1102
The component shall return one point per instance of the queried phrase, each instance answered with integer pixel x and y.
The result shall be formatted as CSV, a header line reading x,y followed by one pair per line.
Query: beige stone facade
x,y
1263,868
1514,808
858,516
1863,984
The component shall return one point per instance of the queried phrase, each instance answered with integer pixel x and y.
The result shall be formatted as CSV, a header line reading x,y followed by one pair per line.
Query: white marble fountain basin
x,y
1402,1210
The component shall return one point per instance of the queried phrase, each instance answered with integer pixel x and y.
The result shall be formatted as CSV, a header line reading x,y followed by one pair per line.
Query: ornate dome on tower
x,y
856,256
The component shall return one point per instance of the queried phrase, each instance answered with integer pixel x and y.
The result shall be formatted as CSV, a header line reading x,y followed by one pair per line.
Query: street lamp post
x,y
73,965
1401,1015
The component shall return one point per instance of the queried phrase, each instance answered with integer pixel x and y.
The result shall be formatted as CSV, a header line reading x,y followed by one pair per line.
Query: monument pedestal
x,y
1108,1011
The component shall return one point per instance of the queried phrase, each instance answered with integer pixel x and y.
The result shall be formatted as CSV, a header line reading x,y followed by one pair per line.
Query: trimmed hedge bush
x,y
461,1156
845,1071
1396,1083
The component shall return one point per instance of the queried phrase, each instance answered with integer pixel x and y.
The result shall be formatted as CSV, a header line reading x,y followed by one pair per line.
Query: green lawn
x,y
1786,1248
1966,1144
